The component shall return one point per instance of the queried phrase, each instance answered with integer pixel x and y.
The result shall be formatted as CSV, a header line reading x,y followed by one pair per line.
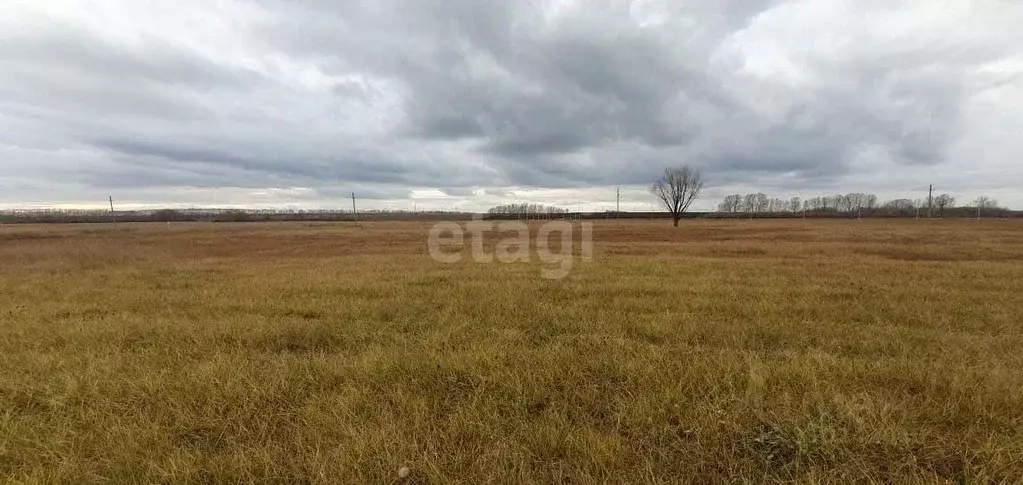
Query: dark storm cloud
x,y
70,71
173,152
71,51
493,71
459,94
283,165
496,72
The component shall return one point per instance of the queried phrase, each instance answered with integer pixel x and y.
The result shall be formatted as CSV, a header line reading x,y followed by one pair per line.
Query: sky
x,y
466,104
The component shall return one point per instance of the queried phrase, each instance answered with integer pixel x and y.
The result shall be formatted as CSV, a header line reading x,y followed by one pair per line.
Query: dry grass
x,y
817,351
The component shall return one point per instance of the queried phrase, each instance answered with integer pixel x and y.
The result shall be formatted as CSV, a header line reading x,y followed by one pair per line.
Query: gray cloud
x,y
409,95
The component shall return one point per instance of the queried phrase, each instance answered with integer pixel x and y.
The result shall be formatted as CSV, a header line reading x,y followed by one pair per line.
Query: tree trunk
x,y
675,218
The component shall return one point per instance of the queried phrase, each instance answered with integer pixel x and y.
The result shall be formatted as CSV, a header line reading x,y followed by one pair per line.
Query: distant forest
x,y
733,206
860,205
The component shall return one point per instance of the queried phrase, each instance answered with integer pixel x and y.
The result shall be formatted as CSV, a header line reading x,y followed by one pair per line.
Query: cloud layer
x,y
467,103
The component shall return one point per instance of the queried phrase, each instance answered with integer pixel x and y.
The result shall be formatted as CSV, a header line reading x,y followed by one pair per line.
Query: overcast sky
x,y
463,104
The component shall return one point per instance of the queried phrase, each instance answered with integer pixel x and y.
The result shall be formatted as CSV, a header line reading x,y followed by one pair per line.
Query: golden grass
x,y
742,351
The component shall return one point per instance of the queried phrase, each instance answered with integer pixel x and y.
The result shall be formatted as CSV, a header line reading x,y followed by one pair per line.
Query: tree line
x,y
852,203
526,209
44,216
680,186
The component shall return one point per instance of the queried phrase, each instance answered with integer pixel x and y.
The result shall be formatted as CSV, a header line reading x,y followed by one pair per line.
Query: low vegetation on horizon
x,y
829,351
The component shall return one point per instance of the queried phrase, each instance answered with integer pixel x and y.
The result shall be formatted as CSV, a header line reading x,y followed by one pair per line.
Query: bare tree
x,y
762,202
749,203
900,207
795,204
775,206
871,202
732,203
983,203
677,190
943,201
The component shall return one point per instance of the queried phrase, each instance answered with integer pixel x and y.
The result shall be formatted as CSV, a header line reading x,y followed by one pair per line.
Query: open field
x,y
828,351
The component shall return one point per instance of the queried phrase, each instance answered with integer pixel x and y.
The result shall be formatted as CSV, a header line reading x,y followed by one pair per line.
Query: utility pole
x,y
930,200
618,204
113,215
354,213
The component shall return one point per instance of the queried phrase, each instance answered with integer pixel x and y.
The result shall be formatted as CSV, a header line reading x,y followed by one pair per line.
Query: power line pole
x,y
354,213
618,204
113,215
930,200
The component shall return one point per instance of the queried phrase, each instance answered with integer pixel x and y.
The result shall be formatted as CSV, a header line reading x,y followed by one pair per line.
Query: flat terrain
x,y
828,351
